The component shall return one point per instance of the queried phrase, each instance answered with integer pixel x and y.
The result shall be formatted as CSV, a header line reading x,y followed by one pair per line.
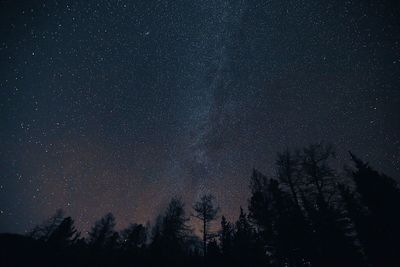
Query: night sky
x,y
120,105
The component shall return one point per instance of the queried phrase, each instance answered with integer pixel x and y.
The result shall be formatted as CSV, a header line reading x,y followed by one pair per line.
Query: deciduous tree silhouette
x,y
317,173
334,244
280,222
288,172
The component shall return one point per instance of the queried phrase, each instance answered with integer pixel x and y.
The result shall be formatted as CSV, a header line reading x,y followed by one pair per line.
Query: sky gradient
x,y
117,106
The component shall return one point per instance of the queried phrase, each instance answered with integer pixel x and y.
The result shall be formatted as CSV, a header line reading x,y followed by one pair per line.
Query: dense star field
x,y
117,106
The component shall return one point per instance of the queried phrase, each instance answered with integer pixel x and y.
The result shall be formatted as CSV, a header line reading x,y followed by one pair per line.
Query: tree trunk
x,y
204,238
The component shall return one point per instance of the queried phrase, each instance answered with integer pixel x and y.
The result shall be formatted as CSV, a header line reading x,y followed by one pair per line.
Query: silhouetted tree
x,y
64,235
332,237
170,232
44,230
280,222
226,237
317,172
331,230
175,228
381,196
288,172
302,217
134,236
260,210
102,234
247,250
213,251
290,229
358,215
206,212
244,230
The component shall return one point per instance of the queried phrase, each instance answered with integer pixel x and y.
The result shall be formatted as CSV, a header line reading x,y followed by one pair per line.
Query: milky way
x,y
120,105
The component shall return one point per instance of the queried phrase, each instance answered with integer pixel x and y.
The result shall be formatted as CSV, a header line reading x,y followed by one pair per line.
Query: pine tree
x,y
102,234
226,237
171,232
64,235
246,249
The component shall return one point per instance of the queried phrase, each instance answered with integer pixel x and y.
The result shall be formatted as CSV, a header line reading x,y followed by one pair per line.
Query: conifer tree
x,y
206,212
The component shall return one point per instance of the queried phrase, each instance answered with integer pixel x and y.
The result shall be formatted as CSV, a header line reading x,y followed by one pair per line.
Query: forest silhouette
x,y
307,213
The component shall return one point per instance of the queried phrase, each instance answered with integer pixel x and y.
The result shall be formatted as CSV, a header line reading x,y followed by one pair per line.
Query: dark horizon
x,y
118,106
195,226
308,214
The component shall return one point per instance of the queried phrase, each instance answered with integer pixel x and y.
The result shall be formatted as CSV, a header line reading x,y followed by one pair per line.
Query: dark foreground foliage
x,y
308,214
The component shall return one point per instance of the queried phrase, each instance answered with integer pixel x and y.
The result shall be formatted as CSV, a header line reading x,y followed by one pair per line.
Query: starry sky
x,y
120,105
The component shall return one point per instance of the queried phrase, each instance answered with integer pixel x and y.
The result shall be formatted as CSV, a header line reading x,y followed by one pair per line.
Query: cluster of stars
x,y
117,106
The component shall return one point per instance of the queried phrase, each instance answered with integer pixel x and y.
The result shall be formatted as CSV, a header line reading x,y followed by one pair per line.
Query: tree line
x,y
307,213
